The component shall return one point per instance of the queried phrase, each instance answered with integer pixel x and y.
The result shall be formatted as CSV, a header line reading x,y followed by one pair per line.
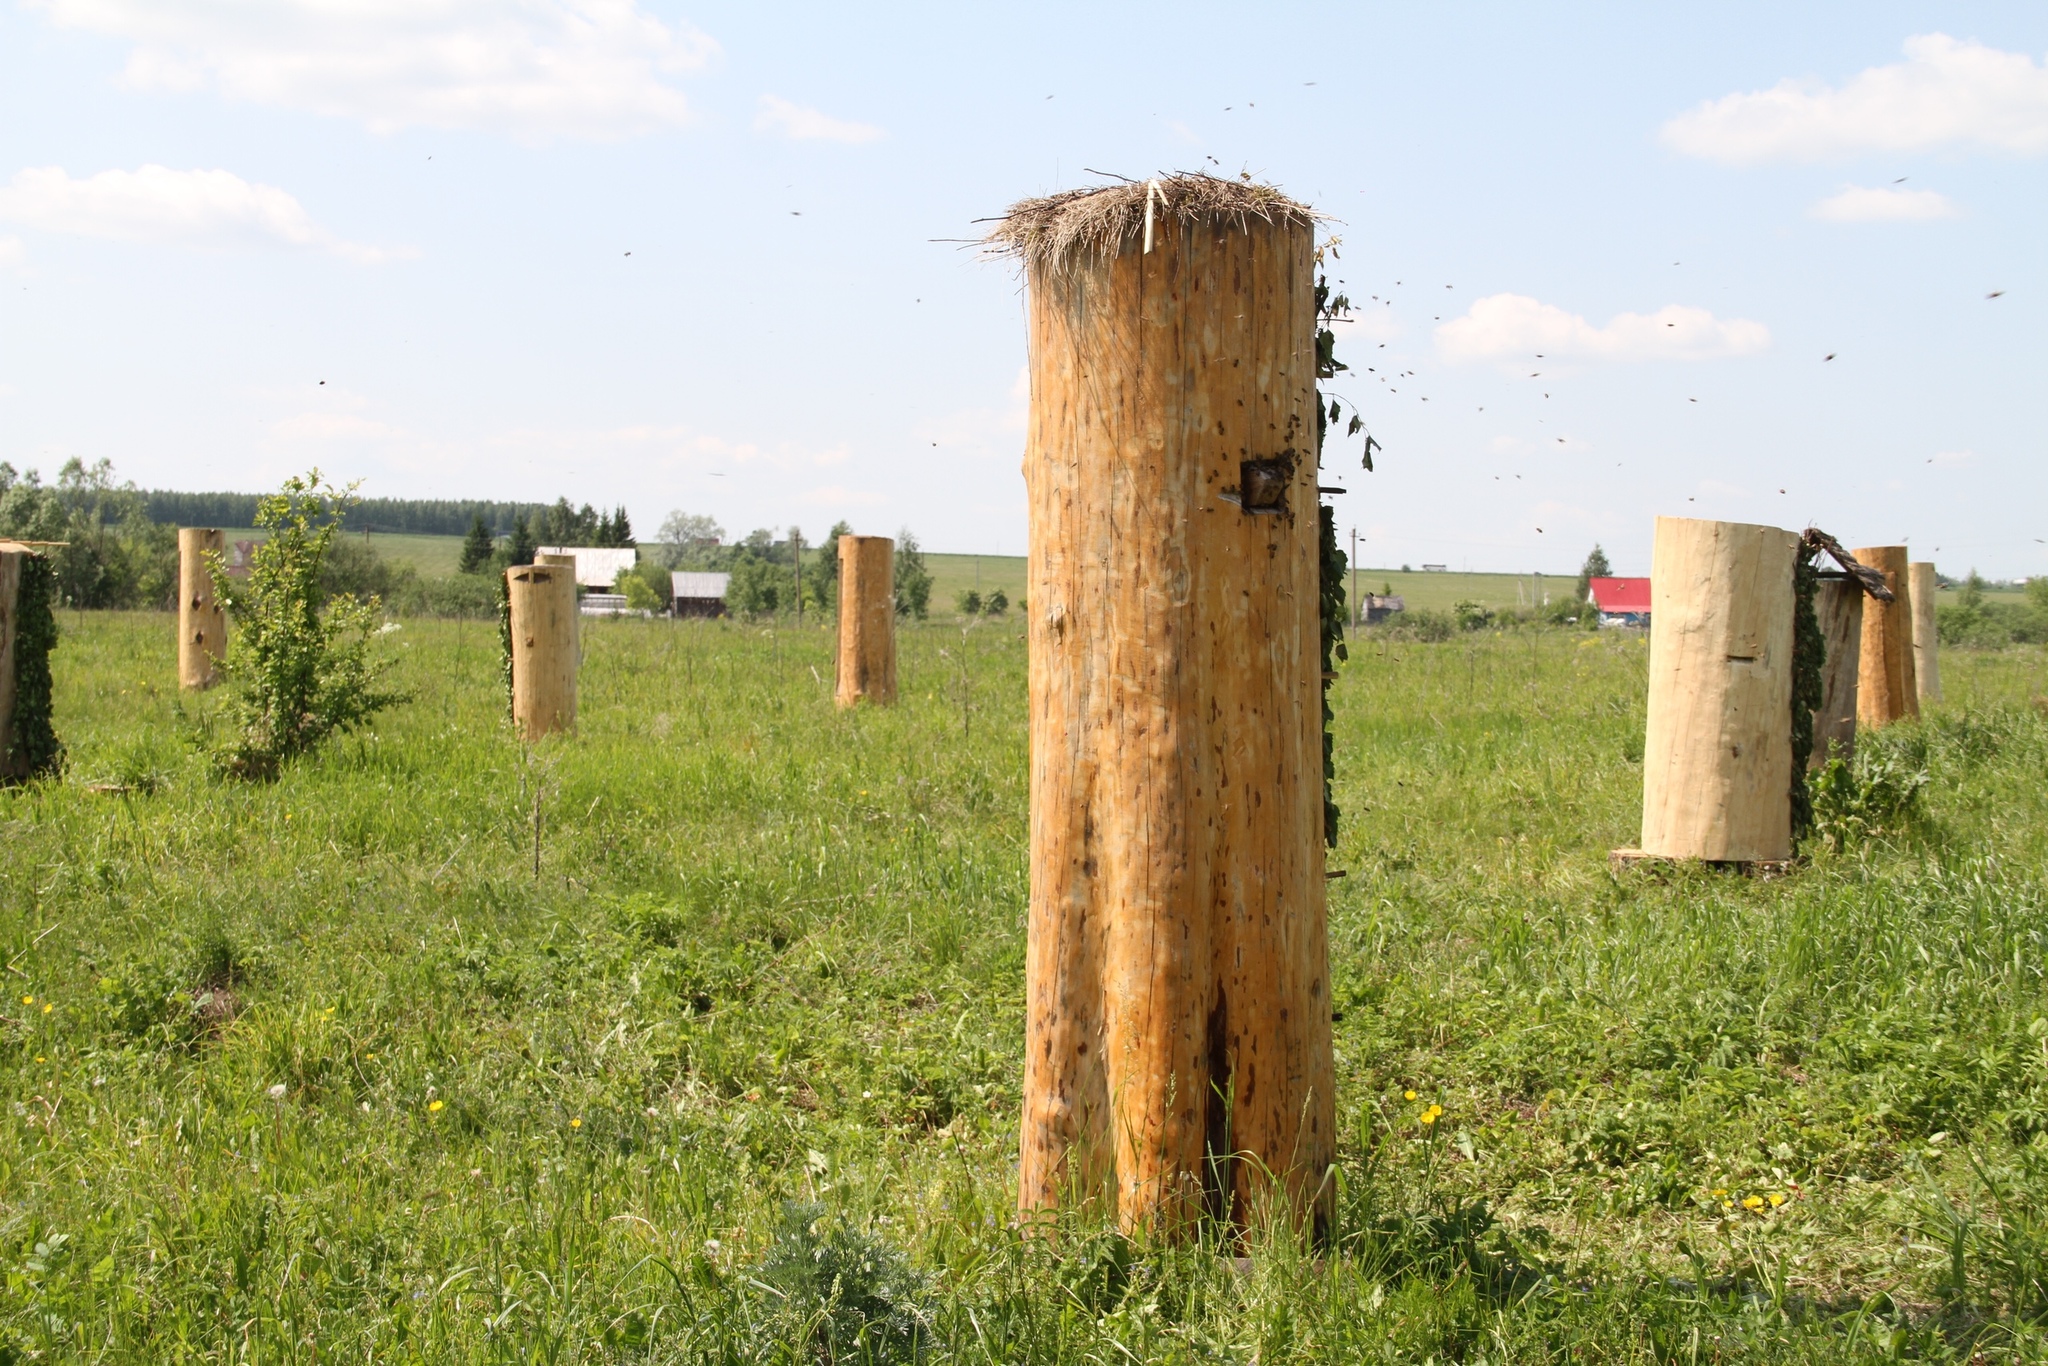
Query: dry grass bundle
x,y
1054,232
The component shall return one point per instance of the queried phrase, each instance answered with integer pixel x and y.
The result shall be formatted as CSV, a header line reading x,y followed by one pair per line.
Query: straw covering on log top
x,y
1053,231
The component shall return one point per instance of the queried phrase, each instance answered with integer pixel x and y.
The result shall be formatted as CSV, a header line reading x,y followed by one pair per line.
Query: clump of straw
x,y
1057,230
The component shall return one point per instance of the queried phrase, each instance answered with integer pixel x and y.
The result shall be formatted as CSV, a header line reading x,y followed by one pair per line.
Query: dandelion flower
x,y
576,1123
1407,1095
1776,1199
1727,1204
1720,1190
39,1057
277,1091
28,1000
434,1106
1752,1202
47,1007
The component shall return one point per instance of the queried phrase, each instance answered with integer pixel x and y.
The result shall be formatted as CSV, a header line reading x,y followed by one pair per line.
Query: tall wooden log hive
x,y
1920,589
542,599
12,557
202,622
1885,687
867,620
1838,606
1717,747
1178,1007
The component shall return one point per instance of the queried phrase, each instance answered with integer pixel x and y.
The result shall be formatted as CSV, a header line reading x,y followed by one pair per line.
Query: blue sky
x,y
209,207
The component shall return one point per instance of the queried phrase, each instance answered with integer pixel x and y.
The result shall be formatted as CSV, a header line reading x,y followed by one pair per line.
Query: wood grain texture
x,y
1839,607
1717,749
1178,1013
202,621
867,621
1885,686
544,648
1920,590
10,598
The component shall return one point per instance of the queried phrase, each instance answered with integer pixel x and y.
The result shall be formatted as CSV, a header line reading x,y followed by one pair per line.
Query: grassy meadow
x,y
697,1038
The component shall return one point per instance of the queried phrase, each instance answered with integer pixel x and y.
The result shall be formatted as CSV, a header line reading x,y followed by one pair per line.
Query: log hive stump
x,y
544,648
1839,607
1920,591
1717,749
12,555
202,622
867,620
1178,1050
1885,686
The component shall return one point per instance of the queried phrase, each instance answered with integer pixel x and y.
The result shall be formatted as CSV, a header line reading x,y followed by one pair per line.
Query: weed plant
x,y
321,1068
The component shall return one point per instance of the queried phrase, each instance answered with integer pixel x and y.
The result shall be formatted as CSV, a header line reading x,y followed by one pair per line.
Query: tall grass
x,y
328,1069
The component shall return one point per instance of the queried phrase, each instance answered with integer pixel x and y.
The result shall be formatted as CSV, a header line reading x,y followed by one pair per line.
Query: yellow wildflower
x,y
1407,1095
1776,1199
434,1106
28,1000
1752,1202
47,1007
1720,1191
575,1123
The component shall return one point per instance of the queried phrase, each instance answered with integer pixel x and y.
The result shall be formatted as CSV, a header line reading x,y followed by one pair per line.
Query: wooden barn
x,y
699,595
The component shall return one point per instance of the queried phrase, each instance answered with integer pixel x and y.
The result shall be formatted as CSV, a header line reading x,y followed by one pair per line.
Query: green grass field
x,y
445,1049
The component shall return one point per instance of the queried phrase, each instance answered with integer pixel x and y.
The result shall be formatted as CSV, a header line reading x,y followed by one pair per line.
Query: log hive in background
x,y
11,557
1839,607
568,562
1717,750
1885,690
1177,1002
202,622
1926,643
544,648
867,620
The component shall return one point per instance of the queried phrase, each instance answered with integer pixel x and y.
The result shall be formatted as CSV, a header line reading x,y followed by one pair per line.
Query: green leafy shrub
x,y
301,669
853,1296
968,602
913,580
1878,793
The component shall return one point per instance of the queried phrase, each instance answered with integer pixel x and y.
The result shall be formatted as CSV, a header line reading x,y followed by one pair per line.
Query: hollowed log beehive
x,y
1178,1025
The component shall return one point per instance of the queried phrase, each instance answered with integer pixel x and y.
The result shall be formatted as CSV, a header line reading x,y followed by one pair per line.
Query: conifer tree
x,y
476,547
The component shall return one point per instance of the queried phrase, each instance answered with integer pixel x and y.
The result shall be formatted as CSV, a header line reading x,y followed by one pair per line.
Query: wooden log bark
x,y
544,648
1885,686
1839,607
1920,593
11,558
1717,750
867,620
202,621
1178,1010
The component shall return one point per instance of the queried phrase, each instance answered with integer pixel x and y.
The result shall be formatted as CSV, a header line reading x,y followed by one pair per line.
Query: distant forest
x,y
414,516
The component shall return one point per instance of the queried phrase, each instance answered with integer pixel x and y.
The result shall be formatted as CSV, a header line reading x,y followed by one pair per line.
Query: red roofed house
x,y
1622,602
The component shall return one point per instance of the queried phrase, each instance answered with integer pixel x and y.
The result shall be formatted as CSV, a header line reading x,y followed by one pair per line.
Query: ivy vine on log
x,y
33,749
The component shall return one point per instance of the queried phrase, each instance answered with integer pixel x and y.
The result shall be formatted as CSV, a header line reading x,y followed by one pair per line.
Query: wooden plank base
x,y
1620,860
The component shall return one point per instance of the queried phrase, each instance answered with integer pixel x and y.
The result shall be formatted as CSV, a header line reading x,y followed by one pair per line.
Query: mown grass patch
x,y
327,1062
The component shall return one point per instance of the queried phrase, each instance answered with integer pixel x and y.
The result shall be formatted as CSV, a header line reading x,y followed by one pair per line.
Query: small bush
x,y
968,602
852,1296
301,668
1876,794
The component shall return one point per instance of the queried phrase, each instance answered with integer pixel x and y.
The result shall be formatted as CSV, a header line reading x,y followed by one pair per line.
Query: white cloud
x,y
12,252
1945,92
158,204
802,124
1885,204
533,69
334,427
1504,326
837,495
